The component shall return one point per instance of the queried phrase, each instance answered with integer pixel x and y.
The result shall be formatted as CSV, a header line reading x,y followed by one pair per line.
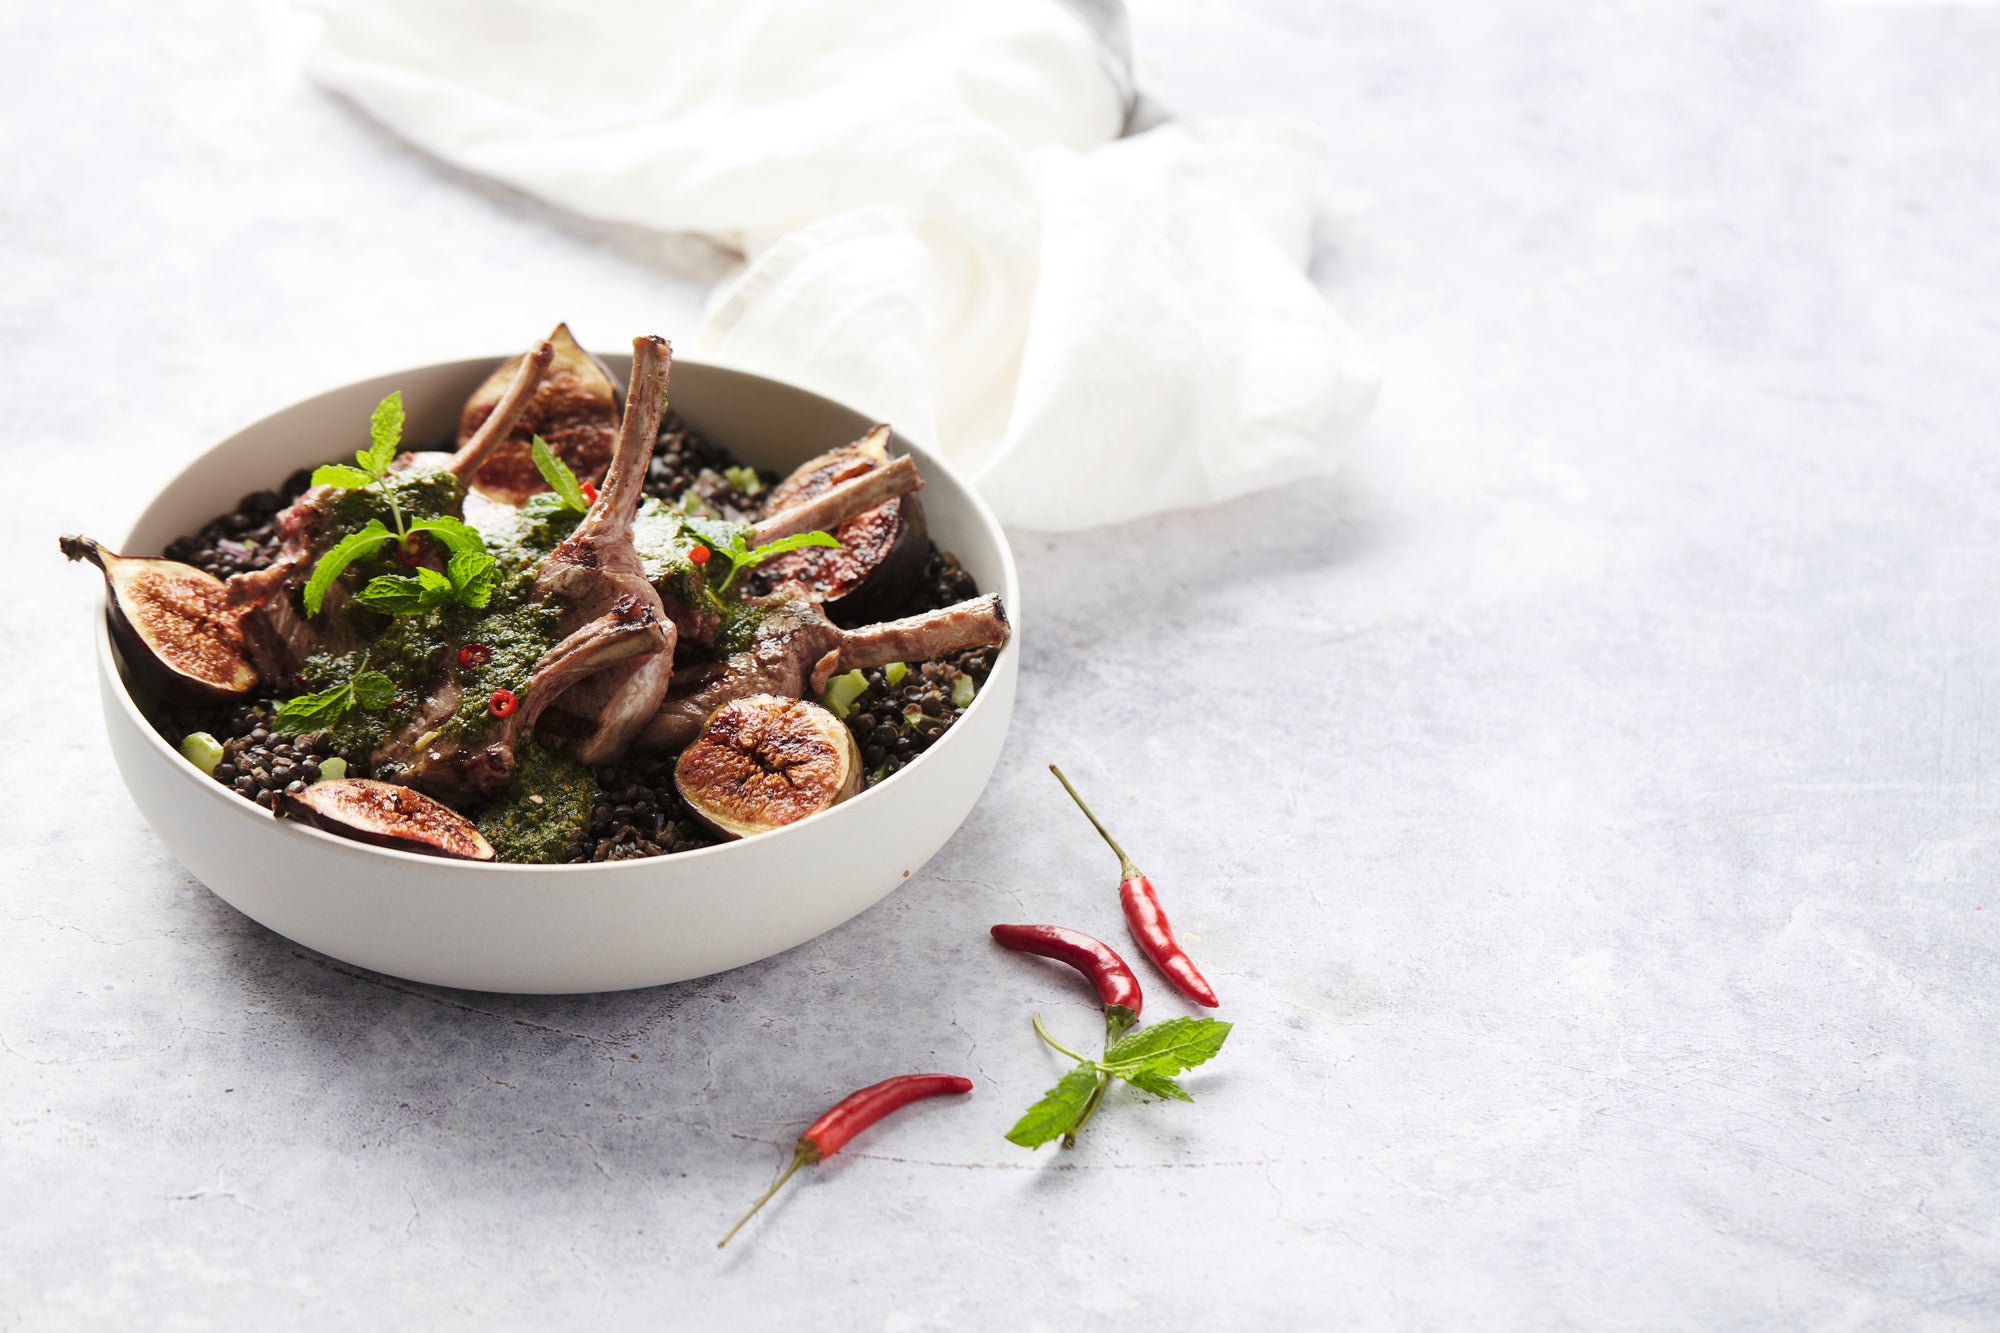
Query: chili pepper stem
x,y
1126,870
804,1155
1044,1034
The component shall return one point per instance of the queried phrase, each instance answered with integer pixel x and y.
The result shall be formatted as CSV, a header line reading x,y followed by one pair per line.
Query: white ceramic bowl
x,y
557,929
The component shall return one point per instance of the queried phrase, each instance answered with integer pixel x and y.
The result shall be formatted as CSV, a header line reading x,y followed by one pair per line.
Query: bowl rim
x,y
108,656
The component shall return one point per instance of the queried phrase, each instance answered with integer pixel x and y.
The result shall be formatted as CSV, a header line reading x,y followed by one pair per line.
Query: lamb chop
x,y
697,622
880,559
468,765
616,637
276,630
596,570
796,650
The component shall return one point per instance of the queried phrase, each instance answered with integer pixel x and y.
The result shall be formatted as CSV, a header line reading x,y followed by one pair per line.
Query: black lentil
x,y
255,764
638,813
684,461
241,540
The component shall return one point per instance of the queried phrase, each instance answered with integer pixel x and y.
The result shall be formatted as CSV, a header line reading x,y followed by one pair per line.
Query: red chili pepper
x,y
698,555
849,1116
1145,916
502,703
589,493
1117,985
474,654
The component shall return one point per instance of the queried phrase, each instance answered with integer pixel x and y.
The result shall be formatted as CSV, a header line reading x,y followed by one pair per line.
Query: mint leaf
x,y
385,435
796,541
1057,1112
455,534
403,595
1157,1083
341,475
314,712
741,557
472,575
372,690
557,474
1167,1048
339,556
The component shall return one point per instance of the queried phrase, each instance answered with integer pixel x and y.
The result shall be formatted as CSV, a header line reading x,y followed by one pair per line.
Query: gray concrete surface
x,y
1585,802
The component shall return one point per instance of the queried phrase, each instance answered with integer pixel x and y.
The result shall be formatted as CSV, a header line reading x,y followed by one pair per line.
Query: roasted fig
x,y
575,410
387,815
763,762
180,634
881,553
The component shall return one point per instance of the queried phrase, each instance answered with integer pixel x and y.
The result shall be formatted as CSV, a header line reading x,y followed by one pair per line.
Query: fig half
x,y
765,761
881,553
387,815
181,636
576,410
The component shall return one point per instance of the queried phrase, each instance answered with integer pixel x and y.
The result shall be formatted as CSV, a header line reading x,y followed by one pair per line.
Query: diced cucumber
x,y
842,691
202,750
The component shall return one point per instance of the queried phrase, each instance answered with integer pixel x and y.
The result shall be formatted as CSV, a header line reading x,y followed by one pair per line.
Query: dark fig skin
x,y
384,814
575,409
174,624
766,761
881,555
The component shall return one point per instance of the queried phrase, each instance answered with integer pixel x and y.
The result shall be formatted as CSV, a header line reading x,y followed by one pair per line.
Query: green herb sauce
x,y
524,829
740,622
519,538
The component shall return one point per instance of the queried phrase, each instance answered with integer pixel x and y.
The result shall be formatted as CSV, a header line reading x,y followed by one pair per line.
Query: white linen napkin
x,y
939,223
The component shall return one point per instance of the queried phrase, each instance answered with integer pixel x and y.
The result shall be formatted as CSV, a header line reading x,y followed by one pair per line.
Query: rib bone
x,y
978,623
494,431
830,508
796,649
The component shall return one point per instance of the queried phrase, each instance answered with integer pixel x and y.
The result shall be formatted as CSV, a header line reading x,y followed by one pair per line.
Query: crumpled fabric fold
x,y
939,220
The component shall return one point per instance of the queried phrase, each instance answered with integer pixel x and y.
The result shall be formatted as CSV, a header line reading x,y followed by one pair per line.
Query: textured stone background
x,y
1585,801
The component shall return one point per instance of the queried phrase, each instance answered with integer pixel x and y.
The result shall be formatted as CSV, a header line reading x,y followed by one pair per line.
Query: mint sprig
x,y
468,580
367,690
472,573
385,437
731,542
558,476
1146,1058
